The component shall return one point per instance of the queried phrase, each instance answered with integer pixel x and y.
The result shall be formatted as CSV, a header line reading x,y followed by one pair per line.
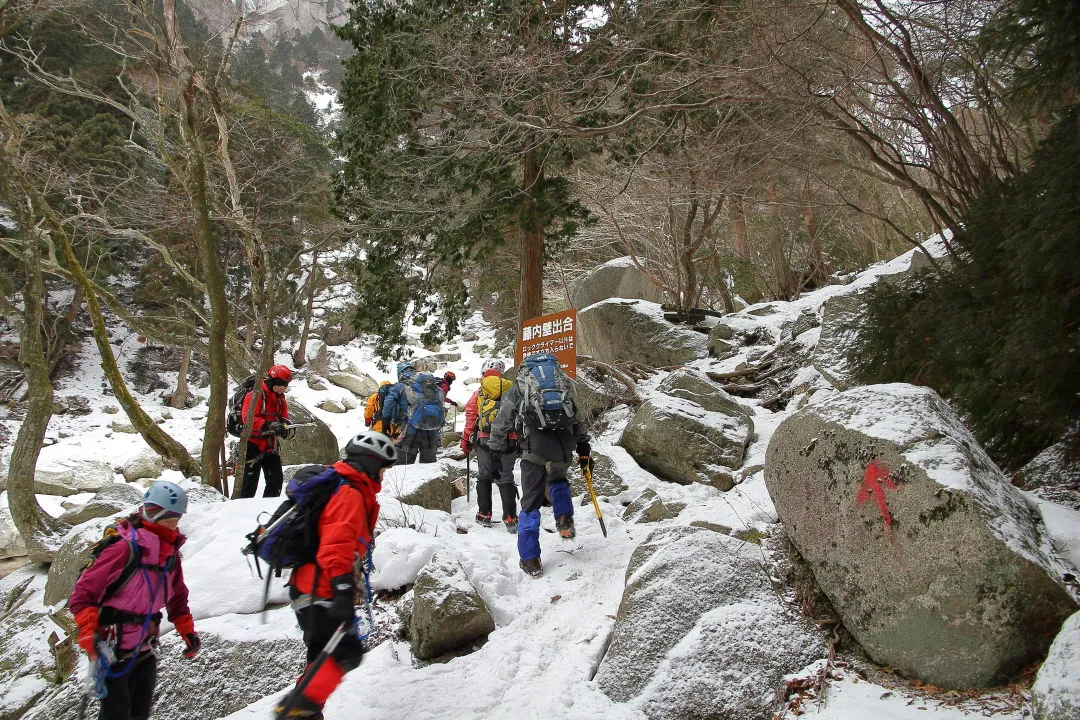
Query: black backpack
x,y
290,537
234,414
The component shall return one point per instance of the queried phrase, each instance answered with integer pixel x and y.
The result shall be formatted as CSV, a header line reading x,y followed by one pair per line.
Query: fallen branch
x,y
721,377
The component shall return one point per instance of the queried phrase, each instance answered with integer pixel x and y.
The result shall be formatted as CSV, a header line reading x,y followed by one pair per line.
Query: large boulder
x,y
71,477
841,332
359,385
698,388
618,278
72,558
700,633
447,611
634,330
682,442
428,485
1056,692
1054,474
112,499
145,464
11,542
933,560
316,444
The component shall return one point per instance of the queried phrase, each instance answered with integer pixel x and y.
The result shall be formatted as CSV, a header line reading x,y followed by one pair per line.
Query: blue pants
x,y
534,479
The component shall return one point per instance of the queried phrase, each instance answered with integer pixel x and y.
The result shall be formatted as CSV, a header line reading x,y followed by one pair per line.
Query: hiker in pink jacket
x,y
118,598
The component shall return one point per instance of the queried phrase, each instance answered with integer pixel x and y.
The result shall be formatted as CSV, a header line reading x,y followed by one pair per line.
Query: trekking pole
x,y
588,482
468,487
297,691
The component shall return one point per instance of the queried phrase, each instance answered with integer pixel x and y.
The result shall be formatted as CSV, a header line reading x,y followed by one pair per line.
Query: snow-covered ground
x,y
551,632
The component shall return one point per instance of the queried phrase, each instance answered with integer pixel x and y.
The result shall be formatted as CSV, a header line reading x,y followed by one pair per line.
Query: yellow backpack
x,y
488,401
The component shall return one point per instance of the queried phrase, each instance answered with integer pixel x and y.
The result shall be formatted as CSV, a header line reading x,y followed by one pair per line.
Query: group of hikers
x,y
135,571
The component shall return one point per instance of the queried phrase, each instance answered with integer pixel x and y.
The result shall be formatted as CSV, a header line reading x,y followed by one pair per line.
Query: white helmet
x,y
161,498
493,364
374,443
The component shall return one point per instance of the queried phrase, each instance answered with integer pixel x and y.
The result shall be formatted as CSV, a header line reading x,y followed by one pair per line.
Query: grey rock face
x,y
646,508
112,499
447,611
934,561
698,388
72,558
358,385
618,331
146,464
700,632
434,494
841,326
11,542
618,278
312,444
682,442
73,477
1056,693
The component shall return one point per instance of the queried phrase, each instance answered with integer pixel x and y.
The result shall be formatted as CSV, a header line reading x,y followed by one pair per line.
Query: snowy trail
x,y
551,634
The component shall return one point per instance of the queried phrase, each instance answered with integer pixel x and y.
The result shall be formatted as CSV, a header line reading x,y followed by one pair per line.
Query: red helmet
x,y
280,372
450,375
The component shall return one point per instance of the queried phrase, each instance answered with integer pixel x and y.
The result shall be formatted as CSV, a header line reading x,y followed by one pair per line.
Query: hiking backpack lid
x,y
547,401
489,400
234,415
426,403
290,537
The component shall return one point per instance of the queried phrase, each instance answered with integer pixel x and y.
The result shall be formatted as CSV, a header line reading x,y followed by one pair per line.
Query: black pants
x,y
424,443
131,695
270,464
501,472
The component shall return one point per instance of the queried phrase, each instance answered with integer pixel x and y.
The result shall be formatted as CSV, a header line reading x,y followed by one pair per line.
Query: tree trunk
x,y
781,265
173,453
813,232
738,226
532,244
179,398
39,530
300,356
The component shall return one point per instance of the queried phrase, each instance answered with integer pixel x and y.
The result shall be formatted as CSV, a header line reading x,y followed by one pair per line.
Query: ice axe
x,y
596,506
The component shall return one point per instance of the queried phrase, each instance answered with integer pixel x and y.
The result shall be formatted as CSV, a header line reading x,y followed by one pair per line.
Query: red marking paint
x,y
875,478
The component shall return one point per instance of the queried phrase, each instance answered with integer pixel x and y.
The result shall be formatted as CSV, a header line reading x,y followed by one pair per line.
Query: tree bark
x,y
39,530
300,356
737,216
179,398
532,243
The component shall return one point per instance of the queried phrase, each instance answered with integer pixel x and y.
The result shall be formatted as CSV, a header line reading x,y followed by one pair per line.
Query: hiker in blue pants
x,y
546,454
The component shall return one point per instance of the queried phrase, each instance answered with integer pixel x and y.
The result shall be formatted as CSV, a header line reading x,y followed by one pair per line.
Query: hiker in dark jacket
x,y
323,592
271,423
125,622
400,408
545,457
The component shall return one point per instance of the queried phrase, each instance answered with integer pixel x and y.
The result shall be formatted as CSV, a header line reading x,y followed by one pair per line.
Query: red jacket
x,y
345,530
269,407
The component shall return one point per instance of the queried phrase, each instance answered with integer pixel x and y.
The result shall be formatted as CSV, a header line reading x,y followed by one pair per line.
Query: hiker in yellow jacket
x,y
373,410
492,467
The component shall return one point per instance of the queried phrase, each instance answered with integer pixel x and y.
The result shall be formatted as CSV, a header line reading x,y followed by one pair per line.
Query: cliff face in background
x,y
272,17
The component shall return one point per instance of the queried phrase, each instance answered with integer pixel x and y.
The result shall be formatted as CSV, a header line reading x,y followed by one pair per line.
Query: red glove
x,y
466,446
87,622
185,628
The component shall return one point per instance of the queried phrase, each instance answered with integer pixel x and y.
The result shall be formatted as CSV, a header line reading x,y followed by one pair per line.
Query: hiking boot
x,y
483,519
565,525
302,709
532,567
510,521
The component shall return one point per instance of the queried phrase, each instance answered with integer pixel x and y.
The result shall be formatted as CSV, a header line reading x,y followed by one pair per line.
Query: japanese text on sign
x,y
555,334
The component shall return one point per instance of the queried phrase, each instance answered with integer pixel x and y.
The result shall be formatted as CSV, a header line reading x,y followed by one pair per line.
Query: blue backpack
x,y
547,395
290,537
427,410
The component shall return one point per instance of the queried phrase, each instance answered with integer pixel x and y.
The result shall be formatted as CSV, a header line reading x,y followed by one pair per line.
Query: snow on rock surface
x,y
700,632
447,611
613,331
938,566
1056,692
618,278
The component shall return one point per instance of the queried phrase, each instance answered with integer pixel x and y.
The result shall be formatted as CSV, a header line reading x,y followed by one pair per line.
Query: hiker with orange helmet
x,y
270,425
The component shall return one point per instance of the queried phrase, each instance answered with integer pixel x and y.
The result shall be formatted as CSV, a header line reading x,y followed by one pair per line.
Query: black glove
x,y
193,644
276,428
343,606
585,463
290,432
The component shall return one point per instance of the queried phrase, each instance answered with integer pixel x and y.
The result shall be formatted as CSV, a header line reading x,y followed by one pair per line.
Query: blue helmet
x,y
161,498
405,370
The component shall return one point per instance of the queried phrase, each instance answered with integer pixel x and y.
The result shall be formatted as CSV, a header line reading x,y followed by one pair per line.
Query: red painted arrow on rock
x,y
876,479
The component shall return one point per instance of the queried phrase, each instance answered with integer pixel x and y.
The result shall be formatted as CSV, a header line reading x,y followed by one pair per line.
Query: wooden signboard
x,y
556,334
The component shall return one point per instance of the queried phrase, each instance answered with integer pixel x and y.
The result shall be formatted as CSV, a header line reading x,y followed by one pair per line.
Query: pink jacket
x,y
158,583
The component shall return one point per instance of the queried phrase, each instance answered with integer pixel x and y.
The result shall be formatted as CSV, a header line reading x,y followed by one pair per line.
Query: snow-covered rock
x,y
700,631
682,442
427,485
71,477
26,663
618,278
360,385
143,465
331,406
72,558
647,508
1056,692
615,331
447,611
11,542
111,499
938,566
315,444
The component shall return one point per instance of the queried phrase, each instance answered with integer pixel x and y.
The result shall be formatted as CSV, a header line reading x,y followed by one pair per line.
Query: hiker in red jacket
x,y
270,425
323,592
118,598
